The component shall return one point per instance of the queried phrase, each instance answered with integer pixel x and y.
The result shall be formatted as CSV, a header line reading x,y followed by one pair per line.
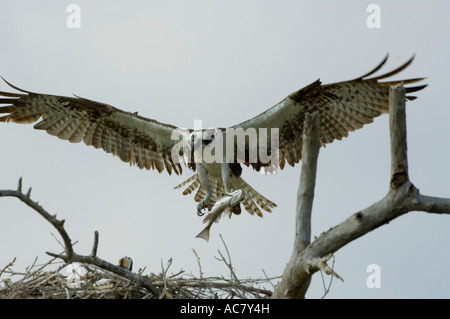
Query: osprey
x,y
343,106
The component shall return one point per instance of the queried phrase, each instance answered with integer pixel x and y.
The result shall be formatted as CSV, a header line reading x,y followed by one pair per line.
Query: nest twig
x,y
58,280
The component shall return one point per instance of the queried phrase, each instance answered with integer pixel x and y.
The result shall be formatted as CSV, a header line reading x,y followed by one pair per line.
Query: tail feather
x,y
260,200
251,207
200,194
190,179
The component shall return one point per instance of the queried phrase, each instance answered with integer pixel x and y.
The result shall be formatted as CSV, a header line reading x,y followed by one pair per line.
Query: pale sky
x,y
223,62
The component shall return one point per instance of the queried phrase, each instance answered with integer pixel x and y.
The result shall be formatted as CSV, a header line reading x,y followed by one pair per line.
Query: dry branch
x,y
401,198
69,256
120,283
97,283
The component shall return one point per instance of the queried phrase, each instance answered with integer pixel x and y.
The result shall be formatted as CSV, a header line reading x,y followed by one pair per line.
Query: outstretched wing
x,y
133,138
344,107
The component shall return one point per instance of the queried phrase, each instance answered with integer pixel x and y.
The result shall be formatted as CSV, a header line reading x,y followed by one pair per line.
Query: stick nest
x,y
57,280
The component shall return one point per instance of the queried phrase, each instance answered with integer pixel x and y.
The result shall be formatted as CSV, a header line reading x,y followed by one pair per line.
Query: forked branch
x,y
401,198
69,256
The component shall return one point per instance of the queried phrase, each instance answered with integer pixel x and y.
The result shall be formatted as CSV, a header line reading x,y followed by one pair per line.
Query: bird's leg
x,y
203,177
226,178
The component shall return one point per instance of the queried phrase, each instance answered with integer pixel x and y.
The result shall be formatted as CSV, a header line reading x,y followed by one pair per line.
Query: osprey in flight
x,y
343,107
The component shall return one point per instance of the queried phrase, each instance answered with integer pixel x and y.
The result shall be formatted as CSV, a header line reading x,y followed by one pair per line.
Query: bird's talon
x,y
200,208
200,213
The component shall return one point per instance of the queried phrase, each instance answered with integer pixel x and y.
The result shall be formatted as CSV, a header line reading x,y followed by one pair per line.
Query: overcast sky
x,y
223,62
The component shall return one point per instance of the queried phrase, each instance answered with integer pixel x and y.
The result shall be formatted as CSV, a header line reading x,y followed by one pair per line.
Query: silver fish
x,y
228,201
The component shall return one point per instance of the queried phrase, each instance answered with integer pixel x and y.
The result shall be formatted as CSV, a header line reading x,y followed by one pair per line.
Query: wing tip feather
x,y
393,72
379,66
14,87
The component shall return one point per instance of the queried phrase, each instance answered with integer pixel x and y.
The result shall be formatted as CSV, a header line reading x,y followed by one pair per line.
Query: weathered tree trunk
x,y
402,197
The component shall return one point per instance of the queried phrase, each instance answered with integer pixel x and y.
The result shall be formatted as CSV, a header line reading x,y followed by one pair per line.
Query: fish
x,y
228,201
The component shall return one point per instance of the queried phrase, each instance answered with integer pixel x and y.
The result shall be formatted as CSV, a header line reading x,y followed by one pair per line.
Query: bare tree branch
x,y
397,127
95,245
401,198
120,282
305,195
70,256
